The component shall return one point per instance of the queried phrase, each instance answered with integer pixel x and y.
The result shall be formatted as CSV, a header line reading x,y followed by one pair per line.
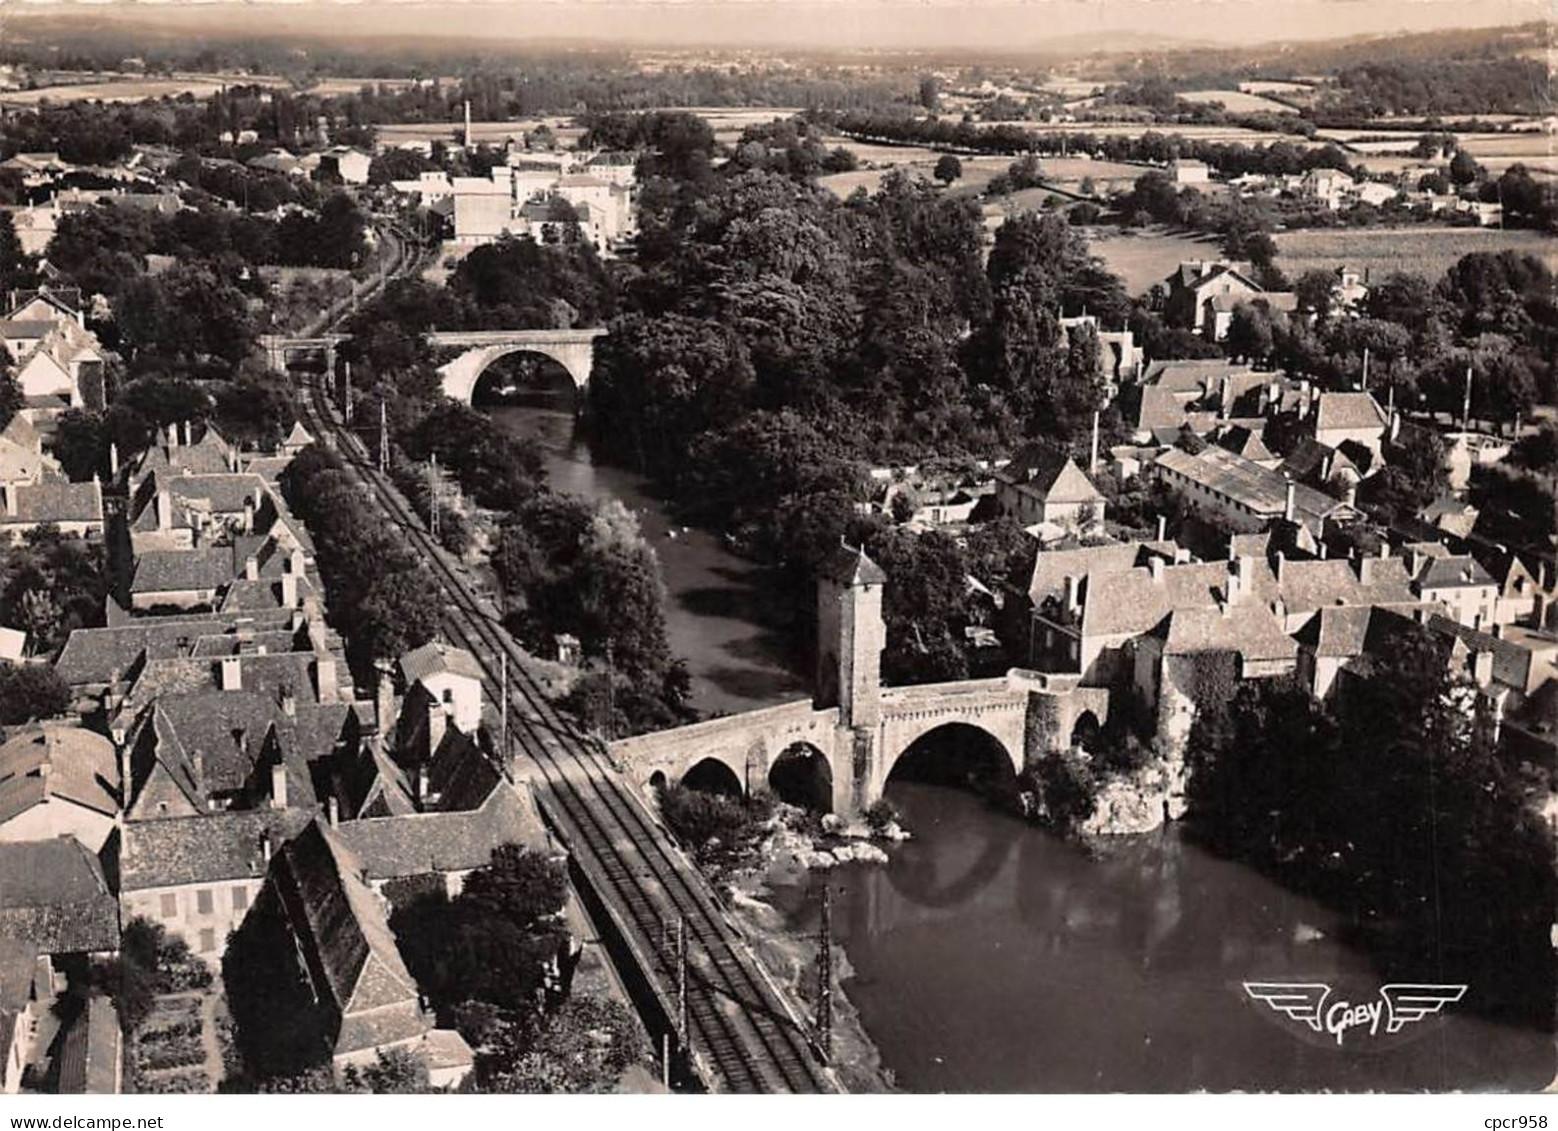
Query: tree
x,y
31,691
585,1046
1250,335
930,92
1464,169
948,168
11,399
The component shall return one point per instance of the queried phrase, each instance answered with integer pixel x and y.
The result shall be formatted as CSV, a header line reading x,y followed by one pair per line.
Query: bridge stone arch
x,y
574,350
1002,720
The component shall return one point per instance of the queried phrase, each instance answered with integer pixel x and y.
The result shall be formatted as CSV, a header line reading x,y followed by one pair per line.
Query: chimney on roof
x,y
384,703
1351,498
1162,527
1156,566
422,785
251,568
232,674
188,432
1244,572
324,679
1482,668
333,812
248,516
164,510
1073,599
1282,561
173,436
265,845
1366,569
296,563
1290,507
113,459
278,786
289,703
289,590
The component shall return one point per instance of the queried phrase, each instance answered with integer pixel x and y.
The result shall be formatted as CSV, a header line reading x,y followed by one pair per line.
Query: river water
x,y
990,955
718,615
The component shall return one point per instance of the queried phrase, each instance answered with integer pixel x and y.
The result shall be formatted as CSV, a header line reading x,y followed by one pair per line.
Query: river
x,y
990,955
719,617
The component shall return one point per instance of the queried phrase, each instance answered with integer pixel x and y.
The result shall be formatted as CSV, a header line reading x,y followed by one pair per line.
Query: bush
x,y
1066,787
880,814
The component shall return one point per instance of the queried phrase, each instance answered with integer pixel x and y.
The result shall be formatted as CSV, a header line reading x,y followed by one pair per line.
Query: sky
x,y
895,24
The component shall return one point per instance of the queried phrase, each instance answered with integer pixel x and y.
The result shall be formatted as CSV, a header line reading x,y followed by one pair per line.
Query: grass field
x,y
1238,101
115,87
1420,250
1149,255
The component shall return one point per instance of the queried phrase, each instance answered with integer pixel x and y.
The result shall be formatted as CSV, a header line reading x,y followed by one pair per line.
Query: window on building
x,y
207,940
170,906
203,901
448,695
240,898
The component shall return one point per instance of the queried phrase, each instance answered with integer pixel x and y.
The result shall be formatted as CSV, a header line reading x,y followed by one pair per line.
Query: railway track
x,y
740,1033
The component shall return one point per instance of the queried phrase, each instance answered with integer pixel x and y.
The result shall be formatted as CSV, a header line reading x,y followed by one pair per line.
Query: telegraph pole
x,y
432,491
825,977
681,985
505,709
346,396
383,439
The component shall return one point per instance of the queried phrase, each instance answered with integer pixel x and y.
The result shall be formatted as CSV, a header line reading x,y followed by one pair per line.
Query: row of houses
x,y
220,764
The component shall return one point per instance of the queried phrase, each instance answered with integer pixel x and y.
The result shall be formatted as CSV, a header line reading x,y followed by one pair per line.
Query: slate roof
x,y
270,674
343,937
442,842
1245,442
849,566
174,571
1337,632
1159,409
1349,411
1308,584
1453,571
1246,627
1260,489
436,657
1052,567
53,894
222,493
1053,475
18,976
209,455
210,848
1130,602
58,761
107,655
55,501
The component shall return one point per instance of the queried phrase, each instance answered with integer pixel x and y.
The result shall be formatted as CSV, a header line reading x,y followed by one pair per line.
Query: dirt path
x,y
214,1067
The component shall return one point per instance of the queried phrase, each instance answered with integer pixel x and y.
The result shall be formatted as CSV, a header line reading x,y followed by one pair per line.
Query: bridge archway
x,y
524,376
803,776
574,350
1086,730
711,775
956,753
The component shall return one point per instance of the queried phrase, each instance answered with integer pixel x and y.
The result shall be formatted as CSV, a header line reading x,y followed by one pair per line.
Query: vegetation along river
x,y
991,955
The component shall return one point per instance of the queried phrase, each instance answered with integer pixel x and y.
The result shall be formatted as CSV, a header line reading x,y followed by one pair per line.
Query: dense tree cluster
x,y
380,594
581,569
1392,804
51,584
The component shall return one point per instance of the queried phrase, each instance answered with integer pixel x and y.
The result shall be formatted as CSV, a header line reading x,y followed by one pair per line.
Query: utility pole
x,y
505,709
432,491
1466,404
825,976
383,439
1365,369
681,985
346,396
611,693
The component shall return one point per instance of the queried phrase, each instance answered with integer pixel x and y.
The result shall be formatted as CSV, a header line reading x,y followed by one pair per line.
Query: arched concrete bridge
x,y
574,350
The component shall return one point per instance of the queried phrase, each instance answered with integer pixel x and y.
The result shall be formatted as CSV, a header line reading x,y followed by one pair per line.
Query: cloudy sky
x,y
1015,24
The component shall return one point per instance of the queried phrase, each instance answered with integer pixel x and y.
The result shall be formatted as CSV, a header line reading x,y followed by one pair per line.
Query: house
x,y
1053,595
198,876
177,453
24,994
76,508
1526,593
1197,282
1190,172
1453,516
1219,309
58,362
1246,496
1456,581
53,894
363,997
351,165
1327,187
1374,193
22,459
1340,418
58,781
170,512
1041,486
453,678
35,225
1119,358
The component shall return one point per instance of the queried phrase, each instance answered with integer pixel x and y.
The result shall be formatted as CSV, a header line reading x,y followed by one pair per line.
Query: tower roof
x,y
849,566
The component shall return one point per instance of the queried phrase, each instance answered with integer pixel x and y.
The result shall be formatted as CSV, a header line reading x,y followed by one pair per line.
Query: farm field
x,y
1238,101
728,122
1276,86
1149,255
491,133
1420,250
134,88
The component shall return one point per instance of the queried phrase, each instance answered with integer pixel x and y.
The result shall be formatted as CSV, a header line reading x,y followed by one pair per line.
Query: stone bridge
x,y
574,350
1022,715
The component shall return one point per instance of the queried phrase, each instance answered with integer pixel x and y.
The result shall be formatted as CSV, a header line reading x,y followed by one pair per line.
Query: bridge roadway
x,y
741,1032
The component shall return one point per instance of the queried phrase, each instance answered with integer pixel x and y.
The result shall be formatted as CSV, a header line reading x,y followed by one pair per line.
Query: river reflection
x,y
720,616
993,956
